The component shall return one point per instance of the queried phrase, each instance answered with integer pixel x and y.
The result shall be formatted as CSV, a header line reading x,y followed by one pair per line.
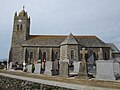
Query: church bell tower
x,y
21,29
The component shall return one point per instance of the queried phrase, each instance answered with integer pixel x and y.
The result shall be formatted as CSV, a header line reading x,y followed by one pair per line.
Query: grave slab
x,y
64,69
55,70
29,68
10,66
107,70
37,68
48,68
76,67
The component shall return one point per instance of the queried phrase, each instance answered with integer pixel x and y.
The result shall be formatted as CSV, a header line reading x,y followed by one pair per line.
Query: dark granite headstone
x,y
55,69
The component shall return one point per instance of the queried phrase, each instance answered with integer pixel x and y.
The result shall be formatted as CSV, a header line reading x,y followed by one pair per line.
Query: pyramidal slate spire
x,y
69,40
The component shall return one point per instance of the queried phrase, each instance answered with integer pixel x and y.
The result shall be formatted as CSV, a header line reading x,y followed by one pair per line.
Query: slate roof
x,y
57,40
114,48
69,40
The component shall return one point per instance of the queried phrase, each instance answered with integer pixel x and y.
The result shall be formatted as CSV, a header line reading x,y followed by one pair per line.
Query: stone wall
x,y
7,83
116,55
65,52
106,53
17,54
50,53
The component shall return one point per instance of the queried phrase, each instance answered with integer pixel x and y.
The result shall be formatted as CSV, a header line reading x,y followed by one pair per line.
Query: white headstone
x,y
10,66
107,70
37,68
117,61
116,68
76,67
29,68
48,68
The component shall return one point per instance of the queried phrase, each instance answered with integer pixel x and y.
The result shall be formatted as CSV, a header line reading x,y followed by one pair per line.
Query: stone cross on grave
x,y
83,66
24,64
100,54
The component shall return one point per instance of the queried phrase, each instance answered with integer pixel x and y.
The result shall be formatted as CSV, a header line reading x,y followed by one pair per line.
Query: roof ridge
x,y
53,36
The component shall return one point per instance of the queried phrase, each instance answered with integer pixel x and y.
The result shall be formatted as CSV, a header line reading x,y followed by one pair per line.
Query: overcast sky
x,y
80,17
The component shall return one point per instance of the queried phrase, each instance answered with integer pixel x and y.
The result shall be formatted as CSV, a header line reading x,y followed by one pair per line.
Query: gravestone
x,y
90,65
83,67
37,68
91,69
107,70
116,68
48,68
43,65
55,67
29,68
64,69
10,66
76,67
118,62
24,65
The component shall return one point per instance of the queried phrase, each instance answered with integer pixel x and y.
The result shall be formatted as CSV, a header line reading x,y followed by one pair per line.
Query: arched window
x,y
26,56
105,56
40,54
21,27
56,55
44,55
31,54
72,54
95,56
31,57
17,27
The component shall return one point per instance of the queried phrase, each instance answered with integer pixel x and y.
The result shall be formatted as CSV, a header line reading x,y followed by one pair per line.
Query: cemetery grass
x,y
95,83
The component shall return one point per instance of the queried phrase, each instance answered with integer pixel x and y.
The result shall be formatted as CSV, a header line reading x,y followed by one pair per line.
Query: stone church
x,y
31,48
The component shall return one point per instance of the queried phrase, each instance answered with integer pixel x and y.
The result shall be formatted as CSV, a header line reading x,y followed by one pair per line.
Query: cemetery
x,y
108,70
61,57
87,72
